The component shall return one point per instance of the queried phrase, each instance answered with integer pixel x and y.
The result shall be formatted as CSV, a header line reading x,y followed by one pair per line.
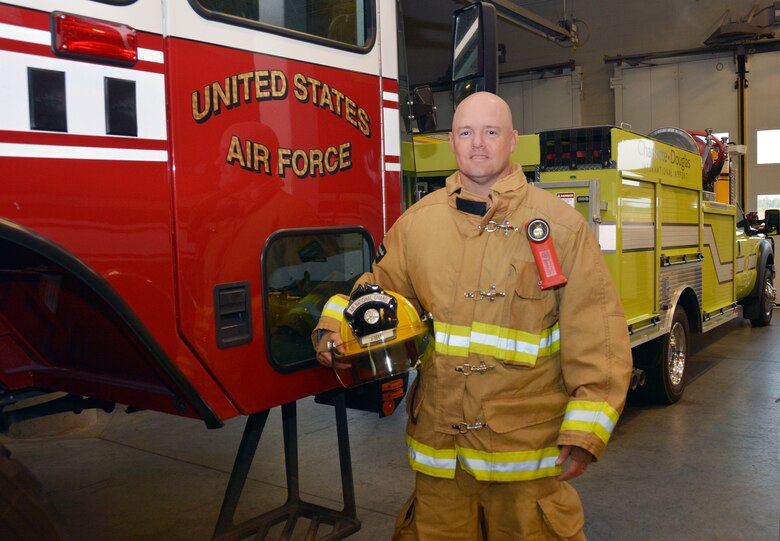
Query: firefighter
x,y
532,358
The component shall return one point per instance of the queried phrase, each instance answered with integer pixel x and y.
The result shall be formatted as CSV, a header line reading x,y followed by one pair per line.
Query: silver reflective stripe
x,y
335,307
504,343
547,341
432,462
476,464
597,417
452,340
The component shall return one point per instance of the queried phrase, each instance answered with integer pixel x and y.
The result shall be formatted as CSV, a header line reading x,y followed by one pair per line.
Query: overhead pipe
x,y
742,84
530,21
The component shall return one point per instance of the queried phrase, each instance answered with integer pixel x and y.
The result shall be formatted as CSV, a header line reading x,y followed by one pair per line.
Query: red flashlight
x,y
542,247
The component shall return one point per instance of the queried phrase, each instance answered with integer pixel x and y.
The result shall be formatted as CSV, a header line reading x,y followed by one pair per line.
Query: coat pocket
x,y
506,414
533,313
527,280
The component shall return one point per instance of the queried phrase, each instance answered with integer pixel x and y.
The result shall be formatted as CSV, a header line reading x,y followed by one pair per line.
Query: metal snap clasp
x,y
493,226
478,294
469,369
463,427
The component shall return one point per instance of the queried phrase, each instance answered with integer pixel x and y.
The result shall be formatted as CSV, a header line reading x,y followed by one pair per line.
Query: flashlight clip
x,y
550,273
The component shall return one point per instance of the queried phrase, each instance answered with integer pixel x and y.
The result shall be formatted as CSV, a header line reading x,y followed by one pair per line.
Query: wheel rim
x,y
676,355
769,298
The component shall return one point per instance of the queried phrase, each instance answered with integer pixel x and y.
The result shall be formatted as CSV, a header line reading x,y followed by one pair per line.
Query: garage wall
x,y
763,113
700,93
537,102
544,103
607,28
693,95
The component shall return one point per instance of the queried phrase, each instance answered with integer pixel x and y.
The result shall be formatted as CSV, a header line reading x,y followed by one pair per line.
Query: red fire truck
x,y
184,183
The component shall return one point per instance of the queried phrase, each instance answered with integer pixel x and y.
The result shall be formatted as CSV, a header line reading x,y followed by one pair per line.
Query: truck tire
x,y
25,513
666,379
765,302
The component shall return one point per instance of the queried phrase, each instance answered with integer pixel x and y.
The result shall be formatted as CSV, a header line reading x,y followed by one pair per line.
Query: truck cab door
x,y
277,114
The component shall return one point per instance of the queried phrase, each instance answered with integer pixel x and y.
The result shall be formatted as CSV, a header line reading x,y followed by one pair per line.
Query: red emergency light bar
x,y
567,155
91,39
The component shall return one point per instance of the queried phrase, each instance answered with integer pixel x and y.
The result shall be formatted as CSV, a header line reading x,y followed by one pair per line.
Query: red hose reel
x,y
712,163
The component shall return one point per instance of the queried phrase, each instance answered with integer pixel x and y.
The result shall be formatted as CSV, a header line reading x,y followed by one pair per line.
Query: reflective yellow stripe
x,y
451,339
335,307
483,465
430,461
597,418
550,342
505,344
510,466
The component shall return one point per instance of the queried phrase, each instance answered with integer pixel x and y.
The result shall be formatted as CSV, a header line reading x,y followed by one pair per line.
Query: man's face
x,y
482,139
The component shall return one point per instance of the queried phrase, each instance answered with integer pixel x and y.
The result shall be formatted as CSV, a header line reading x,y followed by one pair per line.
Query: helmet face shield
x,y
397,339
378,363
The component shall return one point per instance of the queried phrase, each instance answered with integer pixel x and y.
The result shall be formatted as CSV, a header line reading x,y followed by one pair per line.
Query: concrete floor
x,y
703,469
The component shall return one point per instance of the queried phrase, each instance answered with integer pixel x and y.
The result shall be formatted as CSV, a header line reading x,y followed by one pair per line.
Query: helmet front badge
x,y
371,316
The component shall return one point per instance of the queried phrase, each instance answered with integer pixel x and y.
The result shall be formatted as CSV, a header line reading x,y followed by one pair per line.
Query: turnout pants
x,y
464,509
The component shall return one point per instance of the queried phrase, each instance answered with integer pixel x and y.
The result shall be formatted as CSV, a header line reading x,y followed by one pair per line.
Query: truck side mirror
x,y
474,52
424,109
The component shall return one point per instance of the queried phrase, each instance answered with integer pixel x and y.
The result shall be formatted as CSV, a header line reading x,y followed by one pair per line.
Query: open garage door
x,y
693,95
698,93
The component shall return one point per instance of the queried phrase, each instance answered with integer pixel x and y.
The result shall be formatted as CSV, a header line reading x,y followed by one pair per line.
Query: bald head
x,y
482,139
483,102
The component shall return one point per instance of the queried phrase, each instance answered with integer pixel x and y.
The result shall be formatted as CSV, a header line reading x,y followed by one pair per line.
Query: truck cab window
x,y
346,22
301,270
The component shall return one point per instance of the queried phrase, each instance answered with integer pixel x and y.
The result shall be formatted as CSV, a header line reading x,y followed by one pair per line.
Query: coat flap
x,y
505,414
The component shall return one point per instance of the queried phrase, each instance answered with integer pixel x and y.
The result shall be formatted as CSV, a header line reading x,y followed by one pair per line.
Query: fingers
x,y
324,358
337,345
575,467
330,343
575,470
565,452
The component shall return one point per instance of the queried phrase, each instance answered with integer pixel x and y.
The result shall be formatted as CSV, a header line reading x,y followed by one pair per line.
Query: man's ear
x,y
513,144
452,141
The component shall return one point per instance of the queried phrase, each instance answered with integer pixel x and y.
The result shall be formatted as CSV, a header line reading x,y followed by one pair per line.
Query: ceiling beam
x,y
523,18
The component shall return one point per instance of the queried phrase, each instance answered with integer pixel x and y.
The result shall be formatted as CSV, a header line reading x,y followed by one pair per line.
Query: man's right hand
x,y
327,344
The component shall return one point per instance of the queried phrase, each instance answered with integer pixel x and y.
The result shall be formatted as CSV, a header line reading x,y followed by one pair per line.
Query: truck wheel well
x,y
766,256
690,304
44,289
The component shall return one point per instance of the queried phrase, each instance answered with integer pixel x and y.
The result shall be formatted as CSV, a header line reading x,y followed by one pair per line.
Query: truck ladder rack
x,y
344,523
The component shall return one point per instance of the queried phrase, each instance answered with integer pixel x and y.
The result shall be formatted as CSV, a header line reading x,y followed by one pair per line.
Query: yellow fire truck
x,y
682,261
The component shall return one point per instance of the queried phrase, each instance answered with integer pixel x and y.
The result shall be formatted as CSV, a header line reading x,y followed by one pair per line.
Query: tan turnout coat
x,y
518,371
